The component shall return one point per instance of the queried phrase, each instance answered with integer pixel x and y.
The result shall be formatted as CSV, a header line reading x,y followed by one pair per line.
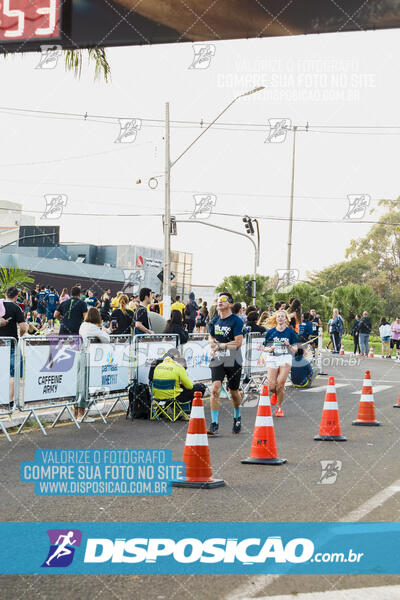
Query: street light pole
x,y
256,262
167,209
167,221
289,252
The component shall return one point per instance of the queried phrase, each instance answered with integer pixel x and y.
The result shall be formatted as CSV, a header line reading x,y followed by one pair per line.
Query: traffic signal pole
x,y
256,246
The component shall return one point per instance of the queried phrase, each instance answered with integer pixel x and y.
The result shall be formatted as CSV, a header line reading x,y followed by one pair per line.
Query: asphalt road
x,y
291,492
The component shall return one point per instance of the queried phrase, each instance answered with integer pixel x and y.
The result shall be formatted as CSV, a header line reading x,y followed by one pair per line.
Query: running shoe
x,y
279,412
237,425
213,429
274,399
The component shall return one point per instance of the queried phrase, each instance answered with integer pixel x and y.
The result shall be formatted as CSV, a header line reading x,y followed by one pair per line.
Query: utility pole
x,y
289,251
167,221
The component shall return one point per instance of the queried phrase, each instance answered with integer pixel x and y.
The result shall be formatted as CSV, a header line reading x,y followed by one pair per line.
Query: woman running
x,y
281,343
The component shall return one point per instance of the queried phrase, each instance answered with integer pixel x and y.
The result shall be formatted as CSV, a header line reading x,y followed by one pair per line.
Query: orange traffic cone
x,y
329,429
366,411
398,403
263,447
371,352
341,349
274,399
196,454
279,412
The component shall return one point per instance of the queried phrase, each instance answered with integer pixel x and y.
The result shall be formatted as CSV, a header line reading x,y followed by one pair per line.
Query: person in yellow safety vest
x,y
172,369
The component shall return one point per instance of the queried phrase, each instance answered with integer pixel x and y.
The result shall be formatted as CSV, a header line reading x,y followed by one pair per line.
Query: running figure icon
x,y
62,549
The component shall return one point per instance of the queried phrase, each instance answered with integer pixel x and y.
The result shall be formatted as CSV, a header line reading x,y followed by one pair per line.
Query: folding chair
x,y
170,408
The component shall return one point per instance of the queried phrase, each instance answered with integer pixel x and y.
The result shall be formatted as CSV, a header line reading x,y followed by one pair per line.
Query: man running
x,y
226,337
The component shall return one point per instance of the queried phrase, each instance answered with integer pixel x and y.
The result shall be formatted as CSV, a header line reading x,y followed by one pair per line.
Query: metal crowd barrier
x,y
59,371
108,371
7,354
51,375
147,348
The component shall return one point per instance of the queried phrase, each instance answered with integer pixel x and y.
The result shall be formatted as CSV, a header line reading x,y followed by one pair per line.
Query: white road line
x,y
378,500
260,582
323,387
387,592
376,389
359,379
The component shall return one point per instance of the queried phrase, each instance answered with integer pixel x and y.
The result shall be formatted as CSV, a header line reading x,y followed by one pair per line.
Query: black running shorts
x,y
232,374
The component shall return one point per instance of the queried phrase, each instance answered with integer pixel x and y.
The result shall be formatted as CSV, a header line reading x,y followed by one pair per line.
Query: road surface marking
x,y
387,592
376,389
322,388
378,500
260,582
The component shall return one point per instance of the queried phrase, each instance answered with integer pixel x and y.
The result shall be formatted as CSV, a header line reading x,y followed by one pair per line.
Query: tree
x,y
310,296
13,277
354,299
373,260
343,273
236,286
74,62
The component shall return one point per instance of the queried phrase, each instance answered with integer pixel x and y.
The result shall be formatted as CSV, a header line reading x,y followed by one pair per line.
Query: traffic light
x,y
249,289
248,223
172,228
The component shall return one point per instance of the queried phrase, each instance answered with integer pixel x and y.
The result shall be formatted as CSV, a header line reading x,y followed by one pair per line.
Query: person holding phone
x,y
122,317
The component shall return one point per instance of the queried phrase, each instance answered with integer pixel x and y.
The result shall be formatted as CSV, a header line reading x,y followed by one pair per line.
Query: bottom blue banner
x,y
173,548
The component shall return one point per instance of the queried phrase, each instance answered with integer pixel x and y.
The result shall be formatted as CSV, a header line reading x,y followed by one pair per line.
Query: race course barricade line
x,y
148,348
108,371
52,375
7,353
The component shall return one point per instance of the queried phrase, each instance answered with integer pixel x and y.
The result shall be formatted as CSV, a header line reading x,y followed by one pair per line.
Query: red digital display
x,y
29,20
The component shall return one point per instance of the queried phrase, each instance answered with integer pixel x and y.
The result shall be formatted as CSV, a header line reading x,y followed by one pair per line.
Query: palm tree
x,y
13,276
74,61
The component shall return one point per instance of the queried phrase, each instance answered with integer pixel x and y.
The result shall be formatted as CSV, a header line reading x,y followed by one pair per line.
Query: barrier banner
x,y
5,357
109,366
199,548
196,352
256,358
50,368
148,348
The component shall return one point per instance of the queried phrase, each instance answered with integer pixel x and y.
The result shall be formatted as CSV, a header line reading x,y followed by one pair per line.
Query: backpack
x,y
139,401
190,312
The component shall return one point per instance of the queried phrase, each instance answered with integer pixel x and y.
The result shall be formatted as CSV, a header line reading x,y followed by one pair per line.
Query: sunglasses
x,y
224,298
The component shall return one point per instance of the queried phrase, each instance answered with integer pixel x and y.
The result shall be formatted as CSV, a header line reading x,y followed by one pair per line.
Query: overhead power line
x,y
154,122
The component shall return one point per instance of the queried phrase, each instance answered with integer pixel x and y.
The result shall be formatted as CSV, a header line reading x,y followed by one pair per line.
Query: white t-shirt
x,y
91,330
385,330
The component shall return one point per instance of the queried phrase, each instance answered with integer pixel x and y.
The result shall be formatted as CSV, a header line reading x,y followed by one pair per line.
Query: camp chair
x,y
170,408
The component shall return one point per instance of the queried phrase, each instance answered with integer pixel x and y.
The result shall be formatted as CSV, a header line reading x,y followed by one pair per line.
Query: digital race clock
x,y
29,20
